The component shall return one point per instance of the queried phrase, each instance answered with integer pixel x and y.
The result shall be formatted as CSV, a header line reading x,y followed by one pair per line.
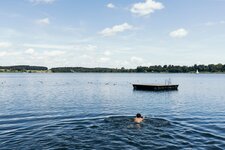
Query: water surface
x,y
95,111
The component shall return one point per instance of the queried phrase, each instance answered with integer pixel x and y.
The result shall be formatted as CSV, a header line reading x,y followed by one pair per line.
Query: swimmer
x,y
138,118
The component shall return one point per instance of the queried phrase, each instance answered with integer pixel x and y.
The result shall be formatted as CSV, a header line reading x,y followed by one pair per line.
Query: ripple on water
x,y
102,132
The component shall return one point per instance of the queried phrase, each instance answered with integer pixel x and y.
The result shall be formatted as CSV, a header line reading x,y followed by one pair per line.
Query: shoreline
x,y
166,69
49,72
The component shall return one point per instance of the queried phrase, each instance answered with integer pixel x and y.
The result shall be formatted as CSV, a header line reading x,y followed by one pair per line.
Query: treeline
x,y
151,69
23,68
183,69
82,69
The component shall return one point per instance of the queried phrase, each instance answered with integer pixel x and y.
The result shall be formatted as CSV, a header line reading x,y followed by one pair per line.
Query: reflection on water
x,y
96,111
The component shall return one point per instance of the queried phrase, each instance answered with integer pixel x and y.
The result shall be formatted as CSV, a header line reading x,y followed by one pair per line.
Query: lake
x,y
95,111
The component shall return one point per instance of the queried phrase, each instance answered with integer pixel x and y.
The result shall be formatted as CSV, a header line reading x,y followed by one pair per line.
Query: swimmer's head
x,y
139,115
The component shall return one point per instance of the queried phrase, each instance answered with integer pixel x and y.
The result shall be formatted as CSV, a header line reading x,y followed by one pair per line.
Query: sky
x,y
111,33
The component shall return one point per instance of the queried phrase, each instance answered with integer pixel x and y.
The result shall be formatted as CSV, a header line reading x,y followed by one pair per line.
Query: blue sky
x,y
112,33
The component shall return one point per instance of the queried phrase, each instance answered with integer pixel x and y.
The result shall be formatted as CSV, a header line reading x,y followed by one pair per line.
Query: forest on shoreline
x,y
211,68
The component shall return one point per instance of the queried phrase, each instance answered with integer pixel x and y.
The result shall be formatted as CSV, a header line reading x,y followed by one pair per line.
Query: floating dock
x,y
152,87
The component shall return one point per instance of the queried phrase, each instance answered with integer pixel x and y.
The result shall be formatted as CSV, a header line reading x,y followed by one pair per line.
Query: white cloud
x,y
88,47
85,56
104,59
5,44
210,23
107,53
43,22
30,51
53,53
116,29
136,59
146,8
110,5
9,53
42,1
179,33
49,46
3,54
43,54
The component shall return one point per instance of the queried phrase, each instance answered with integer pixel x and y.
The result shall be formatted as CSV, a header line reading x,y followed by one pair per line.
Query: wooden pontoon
x,y
152,87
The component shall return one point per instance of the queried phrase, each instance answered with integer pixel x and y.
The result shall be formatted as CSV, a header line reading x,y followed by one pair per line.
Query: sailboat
x,y
197,71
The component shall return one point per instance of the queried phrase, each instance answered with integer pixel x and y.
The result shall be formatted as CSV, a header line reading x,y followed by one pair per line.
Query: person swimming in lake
x,y
138,118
